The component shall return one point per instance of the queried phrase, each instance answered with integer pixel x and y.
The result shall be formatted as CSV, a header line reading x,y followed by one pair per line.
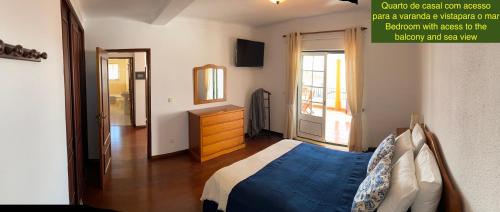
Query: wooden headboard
x,y
451,201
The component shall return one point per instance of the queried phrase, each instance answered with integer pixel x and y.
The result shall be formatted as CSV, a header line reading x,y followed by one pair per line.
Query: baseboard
x,y
140,126
163,156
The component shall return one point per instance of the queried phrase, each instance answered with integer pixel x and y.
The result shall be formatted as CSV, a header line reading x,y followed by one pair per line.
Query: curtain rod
x,y
329,31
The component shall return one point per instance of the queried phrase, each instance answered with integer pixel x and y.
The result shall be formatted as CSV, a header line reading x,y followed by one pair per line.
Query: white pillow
x,y
429,181
403,144
418,138
404,187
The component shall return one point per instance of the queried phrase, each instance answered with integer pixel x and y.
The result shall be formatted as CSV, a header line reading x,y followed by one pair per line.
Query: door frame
x,y
148,89
131,74
83,104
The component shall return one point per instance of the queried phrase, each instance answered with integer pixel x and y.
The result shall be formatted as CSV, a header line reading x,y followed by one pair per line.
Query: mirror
x,y
209,84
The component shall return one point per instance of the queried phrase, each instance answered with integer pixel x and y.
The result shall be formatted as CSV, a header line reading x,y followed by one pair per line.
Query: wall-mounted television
x,y
249,53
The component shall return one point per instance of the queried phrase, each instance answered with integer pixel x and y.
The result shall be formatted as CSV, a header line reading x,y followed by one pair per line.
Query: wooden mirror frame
x,y
196,97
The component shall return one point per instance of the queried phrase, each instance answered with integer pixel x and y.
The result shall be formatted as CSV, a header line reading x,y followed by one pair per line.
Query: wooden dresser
x,y
216,131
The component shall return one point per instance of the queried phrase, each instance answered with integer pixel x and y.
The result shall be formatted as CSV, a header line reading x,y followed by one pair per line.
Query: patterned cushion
x,y
374,187
387,146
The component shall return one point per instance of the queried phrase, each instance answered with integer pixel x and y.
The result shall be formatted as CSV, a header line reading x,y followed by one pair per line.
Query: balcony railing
x,y
316,96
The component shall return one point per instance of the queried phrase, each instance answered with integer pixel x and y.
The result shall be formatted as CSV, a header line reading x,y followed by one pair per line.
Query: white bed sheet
x,y
220,184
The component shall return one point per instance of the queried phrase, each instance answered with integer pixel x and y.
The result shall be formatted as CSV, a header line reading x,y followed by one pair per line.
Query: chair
x,y
308,104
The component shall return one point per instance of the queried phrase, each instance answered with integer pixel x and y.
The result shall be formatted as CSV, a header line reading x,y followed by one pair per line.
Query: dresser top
x,y
216,110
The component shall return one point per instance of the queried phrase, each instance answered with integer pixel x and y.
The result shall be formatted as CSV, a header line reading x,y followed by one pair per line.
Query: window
x,y
315,67
313,83
114,73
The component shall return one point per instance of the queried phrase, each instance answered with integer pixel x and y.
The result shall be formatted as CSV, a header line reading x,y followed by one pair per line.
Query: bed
x,y
292,176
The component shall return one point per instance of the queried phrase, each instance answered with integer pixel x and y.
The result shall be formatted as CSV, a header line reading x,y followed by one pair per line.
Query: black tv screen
x,y
249,53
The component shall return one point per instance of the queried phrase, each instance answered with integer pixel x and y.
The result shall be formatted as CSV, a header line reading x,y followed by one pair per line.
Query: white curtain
x,y
355,78
293,69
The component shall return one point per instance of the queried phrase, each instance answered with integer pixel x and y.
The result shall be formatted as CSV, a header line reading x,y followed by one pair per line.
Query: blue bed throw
x,y
307,178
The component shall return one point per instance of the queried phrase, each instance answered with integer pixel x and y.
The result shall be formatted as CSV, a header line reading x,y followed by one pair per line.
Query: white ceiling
x,y
247,12
149,11
263,12
140,10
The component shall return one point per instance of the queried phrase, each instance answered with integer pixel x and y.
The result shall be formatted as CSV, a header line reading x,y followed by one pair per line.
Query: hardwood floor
x,y
119,115
170,184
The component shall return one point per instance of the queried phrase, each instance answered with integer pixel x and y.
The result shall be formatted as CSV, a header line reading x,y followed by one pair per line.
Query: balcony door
x,y
312,98
323,113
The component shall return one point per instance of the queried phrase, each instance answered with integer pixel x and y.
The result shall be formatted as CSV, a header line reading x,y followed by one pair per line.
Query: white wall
x,y
78,10
461,105
140,89
32,123
176,48
391,72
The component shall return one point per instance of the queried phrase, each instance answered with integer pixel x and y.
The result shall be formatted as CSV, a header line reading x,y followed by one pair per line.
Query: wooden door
x,y
74,87
103,116
77,70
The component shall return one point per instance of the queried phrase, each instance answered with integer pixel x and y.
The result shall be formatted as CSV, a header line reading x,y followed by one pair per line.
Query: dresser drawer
x,y
209,140
222,145
223,127
216,131
222,118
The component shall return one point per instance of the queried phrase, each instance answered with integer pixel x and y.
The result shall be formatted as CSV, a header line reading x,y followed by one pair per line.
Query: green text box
x,y
435,21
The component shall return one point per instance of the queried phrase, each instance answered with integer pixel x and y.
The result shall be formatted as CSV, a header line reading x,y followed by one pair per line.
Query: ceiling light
x,y
277,1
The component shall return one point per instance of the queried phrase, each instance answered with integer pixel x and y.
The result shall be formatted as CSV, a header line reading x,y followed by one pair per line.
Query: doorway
x,y
323,113
124,111
121,91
